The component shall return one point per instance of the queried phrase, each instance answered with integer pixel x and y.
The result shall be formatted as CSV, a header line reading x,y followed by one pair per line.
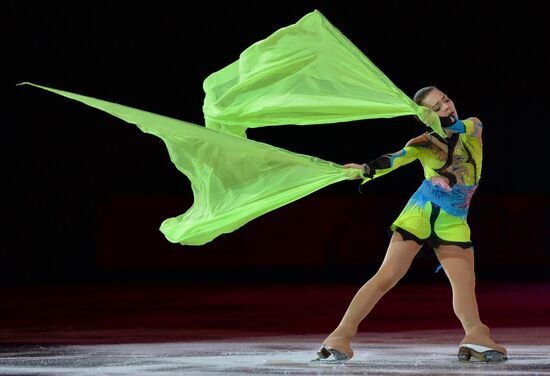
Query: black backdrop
x,y
86,192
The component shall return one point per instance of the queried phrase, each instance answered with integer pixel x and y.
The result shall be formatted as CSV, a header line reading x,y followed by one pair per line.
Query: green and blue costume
x,y
437,212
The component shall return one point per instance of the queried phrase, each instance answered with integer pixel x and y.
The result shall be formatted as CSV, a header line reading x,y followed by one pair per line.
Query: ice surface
x,y
396,353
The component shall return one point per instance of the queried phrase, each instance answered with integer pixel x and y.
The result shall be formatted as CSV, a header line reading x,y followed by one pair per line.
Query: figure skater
x,y
436,216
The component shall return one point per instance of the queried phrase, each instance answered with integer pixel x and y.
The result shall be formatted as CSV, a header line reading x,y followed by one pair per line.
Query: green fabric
x,y
306,73
234,180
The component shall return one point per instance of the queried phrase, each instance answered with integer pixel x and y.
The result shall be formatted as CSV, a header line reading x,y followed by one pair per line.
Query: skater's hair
x,y
422,93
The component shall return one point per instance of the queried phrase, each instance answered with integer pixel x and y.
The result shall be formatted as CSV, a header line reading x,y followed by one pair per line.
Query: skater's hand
x,y
353,165
447,121
365,169
452,123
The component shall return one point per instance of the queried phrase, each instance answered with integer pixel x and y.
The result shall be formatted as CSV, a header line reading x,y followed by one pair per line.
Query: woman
x,y
435,215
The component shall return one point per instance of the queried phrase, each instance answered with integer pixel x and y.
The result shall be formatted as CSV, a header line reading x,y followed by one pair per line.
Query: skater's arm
x,y
390,162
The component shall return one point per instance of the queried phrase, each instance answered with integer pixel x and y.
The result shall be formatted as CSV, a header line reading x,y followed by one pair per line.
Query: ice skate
x,y
327,354
482,353
478,344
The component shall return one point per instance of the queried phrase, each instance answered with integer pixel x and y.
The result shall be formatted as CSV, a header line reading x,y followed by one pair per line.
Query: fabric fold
x,y
305,73
234,180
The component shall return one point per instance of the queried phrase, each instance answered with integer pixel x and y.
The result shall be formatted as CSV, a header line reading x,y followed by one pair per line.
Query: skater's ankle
x,y
477,329
346,330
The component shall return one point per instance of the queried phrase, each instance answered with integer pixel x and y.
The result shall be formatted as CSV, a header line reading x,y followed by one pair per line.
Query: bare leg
x,y
398,258
458,264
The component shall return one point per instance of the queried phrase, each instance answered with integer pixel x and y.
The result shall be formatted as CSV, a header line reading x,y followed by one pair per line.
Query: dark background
x,y
87,192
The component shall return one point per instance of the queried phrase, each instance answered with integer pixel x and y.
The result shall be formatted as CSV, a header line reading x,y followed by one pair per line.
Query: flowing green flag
x,y
234,180
306,73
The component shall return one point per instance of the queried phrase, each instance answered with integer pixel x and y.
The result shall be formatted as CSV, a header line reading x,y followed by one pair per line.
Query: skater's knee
x,y
385,279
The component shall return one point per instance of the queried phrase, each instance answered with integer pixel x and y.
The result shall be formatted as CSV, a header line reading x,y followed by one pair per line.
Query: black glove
x,y
368,170
447,121
453,124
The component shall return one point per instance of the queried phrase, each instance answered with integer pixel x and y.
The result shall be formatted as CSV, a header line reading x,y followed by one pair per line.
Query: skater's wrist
x,y
368,170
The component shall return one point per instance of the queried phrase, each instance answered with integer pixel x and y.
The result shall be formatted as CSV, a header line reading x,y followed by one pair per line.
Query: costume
x,y
437,212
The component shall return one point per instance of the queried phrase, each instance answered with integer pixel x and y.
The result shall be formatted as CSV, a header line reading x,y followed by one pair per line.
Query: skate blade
x,y
328,355
481,353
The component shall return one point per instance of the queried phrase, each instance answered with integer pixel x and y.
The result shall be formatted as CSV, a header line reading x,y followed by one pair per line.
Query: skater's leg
x,y
398,258
458,264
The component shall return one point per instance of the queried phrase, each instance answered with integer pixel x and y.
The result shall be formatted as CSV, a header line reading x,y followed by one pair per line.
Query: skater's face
x,y
440,103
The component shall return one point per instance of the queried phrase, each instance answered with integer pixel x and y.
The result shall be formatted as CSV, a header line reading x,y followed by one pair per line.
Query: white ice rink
x,y
395,353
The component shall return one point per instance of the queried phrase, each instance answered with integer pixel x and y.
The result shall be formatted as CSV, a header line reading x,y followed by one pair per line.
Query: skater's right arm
x,y
390,162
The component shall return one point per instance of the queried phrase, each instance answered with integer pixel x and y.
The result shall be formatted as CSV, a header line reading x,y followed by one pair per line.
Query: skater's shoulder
x,y
424,140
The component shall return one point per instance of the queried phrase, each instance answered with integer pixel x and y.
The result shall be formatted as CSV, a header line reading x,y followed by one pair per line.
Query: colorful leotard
x,y
437,212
